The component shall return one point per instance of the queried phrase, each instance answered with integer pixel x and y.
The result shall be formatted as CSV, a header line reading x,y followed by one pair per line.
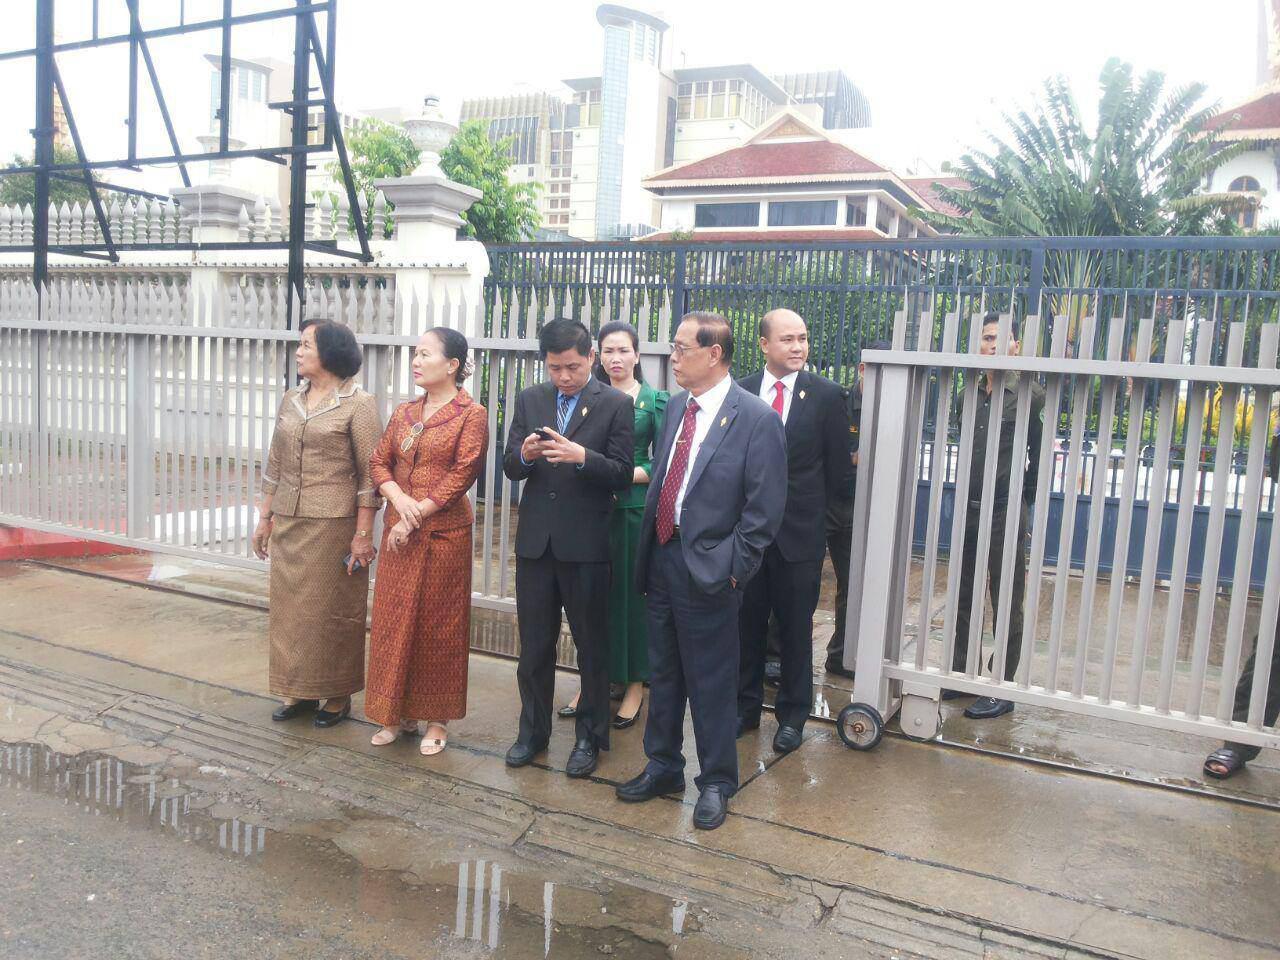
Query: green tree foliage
x,y
1137,174
508,212
377,150
20,188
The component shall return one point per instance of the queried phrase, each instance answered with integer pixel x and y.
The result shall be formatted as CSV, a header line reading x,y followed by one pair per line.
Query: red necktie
x,y
777,397
666,522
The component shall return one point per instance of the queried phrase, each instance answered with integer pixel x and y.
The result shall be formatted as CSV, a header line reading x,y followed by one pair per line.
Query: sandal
x,y
390,734
1226,757
433,745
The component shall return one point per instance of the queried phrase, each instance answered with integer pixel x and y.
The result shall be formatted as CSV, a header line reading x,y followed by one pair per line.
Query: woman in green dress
x,y
619,366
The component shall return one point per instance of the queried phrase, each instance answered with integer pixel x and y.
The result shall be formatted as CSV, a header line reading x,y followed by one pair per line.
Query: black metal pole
x,y
43,134
224,90
295,296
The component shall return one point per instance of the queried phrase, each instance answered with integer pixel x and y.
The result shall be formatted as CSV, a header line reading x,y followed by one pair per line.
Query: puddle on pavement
x,y
480,906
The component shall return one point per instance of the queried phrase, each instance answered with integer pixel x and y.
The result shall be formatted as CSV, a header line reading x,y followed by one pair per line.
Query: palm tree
x,y
1138,174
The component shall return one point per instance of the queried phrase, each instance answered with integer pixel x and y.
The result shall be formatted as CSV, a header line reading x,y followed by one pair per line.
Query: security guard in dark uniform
x,y
840,528
1026,460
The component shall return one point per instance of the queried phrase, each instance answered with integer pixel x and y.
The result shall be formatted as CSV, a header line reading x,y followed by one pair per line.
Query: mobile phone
x,y
346,562
542,434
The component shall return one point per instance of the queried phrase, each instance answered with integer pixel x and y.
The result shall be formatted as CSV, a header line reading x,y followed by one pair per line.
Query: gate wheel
x,y
860,726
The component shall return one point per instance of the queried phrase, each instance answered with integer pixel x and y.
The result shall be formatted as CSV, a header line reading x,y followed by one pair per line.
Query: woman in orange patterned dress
x,y
425,463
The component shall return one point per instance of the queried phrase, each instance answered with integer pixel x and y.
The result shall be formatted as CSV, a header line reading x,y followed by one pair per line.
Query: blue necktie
x,y
562,417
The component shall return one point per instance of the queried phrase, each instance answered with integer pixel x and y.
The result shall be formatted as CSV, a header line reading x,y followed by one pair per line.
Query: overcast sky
x,y
936,72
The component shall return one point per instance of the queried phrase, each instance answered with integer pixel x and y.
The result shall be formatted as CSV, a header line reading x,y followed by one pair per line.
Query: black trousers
x,y
839,546
544,587
693,659
995,561
788,590
1244,692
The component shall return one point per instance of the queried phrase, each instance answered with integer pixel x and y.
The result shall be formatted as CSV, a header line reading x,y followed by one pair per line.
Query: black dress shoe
x,y
288,711
988,708
837,668
746,725
773,672
712,808
567,712
787,738
583,760
954,694
331,718
621,723
522,754
647,786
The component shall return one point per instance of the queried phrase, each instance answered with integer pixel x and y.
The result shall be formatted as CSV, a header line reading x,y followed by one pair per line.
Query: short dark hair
x,y
563,334
881,344
993,316
764,324
616,326
455,347
337,347
713,329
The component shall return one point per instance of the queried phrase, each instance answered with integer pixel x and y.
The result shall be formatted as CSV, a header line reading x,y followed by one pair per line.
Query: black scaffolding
x,y
309,49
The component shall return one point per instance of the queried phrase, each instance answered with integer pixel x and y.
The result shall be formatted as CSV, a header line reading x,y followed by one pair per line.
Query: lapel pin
x,y
801,394
640,404
723,421
584,411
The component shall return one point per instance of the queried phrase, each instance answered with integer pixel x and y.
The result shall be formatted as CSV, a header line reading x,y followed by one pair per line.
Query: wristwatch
x,y
364,533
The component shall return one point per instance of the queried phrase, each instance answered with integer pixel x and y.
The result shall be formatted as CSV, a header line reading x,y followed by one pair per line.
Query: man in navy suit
x,y
820,472
714,505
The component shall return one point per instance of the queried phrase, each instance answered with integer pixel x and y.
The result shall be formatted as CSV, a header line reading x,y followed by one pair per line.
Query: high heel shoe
x,y
567,712
621,723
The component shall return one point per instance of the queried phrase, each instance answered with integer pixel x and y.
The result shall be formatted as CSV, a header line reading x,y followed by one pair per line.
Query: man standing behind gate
x,y
819,471
570,440
714,504
1026,461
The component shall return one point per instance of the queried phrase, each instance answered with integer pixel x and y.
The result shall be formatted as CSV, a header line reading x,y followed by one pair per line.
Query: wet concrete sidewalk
x,y
912,850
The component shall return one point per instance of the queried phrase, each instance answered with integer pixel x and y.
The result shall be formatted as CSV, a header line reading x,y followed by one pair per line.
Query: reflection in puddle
x,y
502,912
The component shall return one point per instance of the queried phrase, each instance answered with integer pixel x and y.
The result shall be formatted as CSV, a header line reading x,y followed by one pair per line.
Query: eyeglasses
x,y
678,350
414,432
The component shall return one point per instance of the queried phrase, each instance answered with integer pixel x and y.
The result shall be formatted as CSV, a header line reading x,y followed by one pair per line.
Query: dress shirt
x,y
708,409
767,392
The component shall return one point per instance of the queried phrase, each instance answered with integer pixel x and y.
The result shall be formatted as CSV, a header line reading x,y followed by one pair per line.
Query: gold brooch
x,y
801,394
723,421
584,411
640,405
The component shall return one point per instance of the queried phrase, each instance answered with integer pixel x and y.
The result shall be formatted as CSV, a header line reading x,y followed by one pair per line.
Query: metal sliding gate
x,y
1136,646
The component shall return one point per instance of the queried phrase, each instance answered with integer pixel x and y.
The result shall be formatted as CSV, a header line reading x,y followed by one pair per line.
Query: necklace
x,y
416,430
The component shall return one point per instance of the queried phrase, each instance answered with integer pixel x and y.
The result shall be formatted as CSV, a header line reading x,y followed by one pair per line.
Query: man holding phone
x,y
571,442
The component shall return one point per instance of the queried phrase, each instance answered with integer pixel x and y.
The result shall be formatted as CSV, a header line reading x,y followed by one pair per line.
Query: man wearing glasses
x,y
714,504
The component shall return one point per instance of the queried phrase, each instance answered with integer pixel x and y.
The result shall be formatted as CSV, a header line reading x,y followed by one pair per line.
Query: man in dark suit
x,y
571,442
714,504
840,526
819,472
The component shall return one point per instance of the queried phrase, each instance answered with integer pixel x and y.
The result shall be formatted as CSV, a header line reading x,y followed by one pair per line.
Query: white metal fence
x,y
1117,646
136,410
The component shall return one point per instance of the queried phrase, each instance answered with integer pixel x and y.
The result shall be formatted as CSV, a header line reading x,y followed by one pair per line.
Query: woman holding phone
x,y
316,524
424,465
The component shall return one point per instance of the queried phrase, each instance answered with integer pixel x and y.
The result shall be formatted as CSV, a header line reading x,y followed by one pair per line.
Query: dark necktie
x,y
666,521
562,413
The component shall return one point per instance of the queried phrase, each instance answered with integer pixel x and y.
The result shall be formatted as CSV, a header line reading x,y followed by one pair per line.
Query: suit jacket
x,y
819,469
735,496
562,505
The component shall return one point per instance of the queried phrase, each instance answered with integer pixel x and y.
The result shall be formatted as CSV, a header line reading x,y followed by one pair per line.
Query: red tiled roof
x,y
761,160
1260,113
769,236
927,188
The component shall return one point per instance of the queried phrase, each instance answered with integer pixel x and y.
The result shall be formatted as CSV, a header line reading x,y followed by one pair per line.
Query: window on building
x,y
259,87
1247,217
884,217
685,94
855,212
315,127
734,106
802,213
726,215
588,102
241,77
669,135
717,98
701,99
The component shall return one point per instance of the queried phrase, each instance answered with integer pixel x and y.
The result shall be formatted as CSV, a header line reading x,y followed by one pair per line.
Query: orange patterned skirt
x,y
419,641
